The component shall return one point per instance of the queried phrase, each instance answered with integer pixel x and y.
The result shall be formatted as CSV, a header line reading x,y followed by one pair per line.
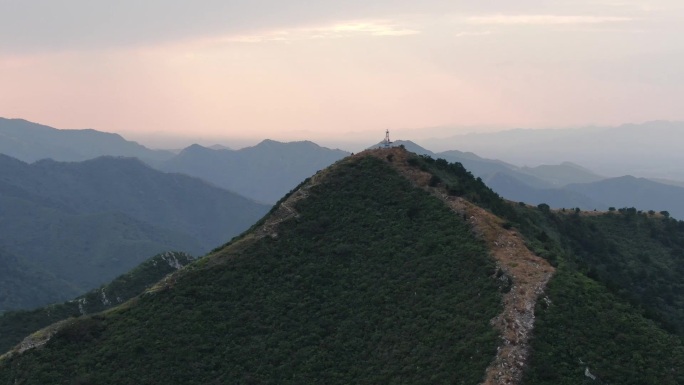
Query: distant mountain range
x,y
270,169
566,185
650,149
29,142
545,176
628,191
264,172
388,267
86,222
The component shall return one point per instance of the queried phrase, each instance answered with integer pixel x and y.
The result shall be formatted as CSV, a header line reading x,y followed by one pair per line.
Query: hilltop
x,y
391,267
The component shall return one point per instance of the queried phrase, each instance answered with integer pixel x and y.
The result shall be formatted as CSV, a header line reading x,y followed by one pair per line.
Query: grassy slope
x,y
375,282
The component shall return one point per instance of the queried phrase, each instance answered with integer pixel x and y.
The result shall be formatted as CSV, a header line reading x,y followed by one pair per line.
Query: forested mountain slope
x,y
23,284
16,325
361,286
390,267
598,318
126,185
87,222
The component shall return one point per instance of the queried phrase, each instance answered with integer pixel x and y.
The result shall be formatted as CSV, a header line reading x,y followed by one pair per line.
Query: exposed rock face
x,y
588,374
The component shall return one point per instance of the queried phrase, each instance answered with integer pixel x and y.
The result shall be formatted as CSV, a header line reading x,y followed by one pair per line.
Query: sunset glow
x,y
232,73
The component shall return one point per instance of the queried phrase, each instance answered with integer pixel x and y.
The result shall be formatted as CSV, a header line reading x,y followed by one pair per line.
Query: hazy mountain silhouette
x,y
30,142
627,191
264,172
651,149
542,177
641,193
562,174
86,222
566,185
518,191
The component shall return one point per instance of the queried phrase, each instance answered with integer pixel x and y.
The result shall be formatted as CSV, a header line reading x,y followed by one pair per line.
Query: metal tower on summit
x,y
387,143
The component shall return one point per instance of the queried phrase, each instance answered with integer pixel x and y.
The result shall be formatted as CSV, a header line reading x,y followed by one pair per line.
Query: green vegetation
x,y
616,303
585,326
460,182
87,222
639,258
85,250
609,308
15,325
374,282
23,284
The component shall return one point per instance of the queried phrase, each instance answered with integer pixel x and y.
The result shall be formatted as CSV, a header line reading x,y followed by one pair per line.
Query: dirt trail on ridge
x,y
527,272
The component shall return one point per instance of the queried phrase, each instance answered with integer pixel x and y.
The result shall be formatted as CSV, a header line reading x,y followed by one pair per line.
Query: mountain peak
x,y
195,148
384,267
30,142
270,143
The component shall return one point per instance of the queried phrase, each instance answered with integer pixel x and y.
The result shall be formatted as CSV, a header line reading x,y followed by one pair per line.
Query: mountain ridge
x,y
31,142
236,265
87,222
263,172
611,151
364,275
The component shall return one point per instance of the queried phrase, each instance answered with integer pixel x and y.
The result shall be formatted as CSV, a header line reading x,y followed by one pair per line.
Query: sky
x,y
337,72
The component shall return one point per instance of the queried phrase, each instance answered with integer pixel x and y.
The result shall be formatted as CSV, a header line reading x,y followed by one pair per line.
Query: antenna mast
x,y
387,143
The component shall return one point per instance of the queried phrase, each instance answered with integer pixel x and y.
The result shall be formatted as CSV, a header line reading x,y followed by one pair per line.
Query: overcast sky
x,y
333,71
